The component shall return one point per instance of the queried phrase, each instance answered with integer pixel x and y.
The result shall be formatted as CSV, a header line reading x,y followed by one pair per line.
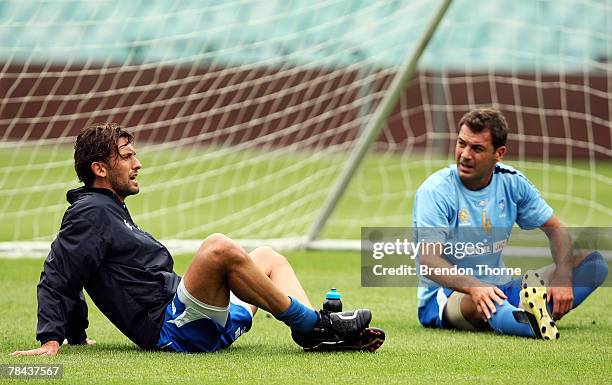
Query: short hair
x,y
489,118
96,143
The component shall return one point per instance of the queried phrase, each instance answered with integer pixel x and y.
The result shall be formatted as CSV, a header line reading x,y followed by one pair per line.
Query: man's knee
x,y
595,269
268,256
461,313
453,313
220,249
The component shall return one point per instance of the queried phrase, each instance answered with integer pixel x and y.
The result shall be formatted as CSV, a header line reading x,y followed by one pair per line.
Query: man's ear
x,y
99,169
499,153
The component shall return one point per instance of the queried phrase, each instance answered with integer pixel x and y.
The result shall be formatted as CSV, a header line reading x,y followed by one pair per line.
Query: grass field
x,y
174,200
267,355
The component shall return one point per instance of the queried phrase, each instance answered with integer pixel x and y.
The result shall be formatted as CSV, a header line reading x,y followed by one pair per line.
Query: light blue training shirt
x,y
445,207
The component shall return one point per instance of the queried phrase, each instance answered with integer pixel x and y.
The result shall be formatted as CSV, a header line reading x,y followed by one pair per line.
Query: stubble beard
x,y
122,189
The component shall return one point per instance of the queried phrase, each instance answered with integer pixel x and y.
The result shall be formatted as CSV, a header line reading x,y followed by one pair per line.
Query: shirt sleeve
x,y
430,215
532,209
76,253
77,321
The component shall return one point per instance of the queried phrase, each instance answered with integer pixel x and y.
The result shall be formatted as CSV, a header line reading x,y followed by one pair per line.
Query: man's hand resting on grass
x,y
49,348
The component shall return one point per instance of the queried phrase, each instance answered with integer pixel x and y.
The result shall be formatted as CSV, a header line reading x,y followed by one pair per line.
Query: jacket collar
x,y
72,195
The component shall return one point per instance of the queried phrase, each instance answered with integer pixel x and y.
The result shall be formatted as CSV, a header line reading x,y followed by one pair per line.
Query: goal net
x,y
246,112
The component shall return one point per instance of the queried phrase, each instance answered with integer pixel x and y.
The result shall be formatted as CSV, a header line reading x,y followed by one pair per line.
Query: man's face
x,y
123,170
476,157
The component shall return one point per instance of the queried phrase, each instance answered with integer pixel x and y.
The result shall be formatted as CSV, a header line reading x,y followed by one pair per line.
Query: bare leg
x,y
221,265
468,309
471,314
461,312
280,272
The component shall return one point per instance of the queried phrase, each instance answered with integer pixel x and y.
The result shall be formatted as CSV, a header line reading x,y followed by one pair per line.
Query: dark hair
x,y
487,118
96,143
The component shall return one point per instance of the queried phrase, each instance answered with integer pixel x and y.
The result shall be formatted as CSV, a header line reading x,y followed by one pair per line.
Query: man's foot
x,y
533,301
334,328
368,340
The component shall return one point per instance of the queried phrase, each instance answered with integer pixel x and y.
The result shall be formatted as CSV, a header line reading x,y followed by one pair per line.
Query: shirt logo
x,y
463,216
486,222
501,205
128,225
239,332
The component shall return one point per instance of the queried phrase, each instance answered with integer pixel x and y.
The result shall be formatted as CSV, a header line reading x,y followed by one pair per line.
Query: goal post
x,y
375,125
275,121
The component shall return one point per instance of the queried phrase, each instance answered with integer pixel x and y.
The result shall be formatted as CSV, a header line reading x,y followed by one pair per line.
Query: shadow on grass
x,y
243,350
101,348
261,349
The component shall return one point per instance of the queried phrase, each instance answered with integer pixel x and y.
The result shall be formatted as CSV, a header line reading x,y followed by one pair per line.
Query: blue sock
x,y
298,317
587,277
503,321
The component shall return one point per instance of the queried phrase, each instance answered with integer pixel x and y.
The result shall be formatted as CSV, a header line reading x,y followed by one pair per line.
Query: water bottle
x,y
332,301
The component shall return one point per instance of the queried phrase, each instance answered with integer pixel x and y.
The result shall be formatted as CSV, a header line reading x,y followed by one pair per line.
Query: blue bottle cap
x,y
332,294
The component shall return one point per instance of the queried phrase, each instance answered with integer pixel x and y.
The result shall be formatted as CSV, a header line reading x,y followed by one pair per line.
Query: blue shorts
x,y
191,326
431,313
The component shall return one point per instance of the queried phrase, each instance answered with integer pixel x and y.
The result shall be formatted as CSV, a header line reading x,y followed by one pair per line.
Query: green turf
x,y
266,355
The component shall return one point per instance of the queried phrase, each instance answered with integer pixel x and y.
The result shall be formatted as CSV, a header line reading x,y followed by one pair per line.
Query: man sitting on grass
x,y
477,201
129,274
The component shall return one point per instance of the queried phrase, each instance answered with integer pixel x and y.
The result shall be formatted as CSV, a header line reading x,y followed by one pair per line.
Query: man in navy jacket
x,y
129,274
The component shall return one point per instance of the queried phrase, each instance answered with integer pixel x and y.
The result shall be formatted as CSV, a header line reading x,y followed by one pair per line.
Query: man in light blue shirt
x,y
472,206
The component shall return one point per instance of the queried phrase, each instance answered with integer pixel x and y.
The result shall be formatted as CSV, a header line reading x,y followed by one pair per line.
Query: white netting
x,y
245,111
547,65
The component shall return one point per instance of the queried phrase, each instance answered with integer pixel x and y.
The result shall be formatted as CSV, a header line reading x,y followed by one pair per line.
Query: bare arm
x,y
560,287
